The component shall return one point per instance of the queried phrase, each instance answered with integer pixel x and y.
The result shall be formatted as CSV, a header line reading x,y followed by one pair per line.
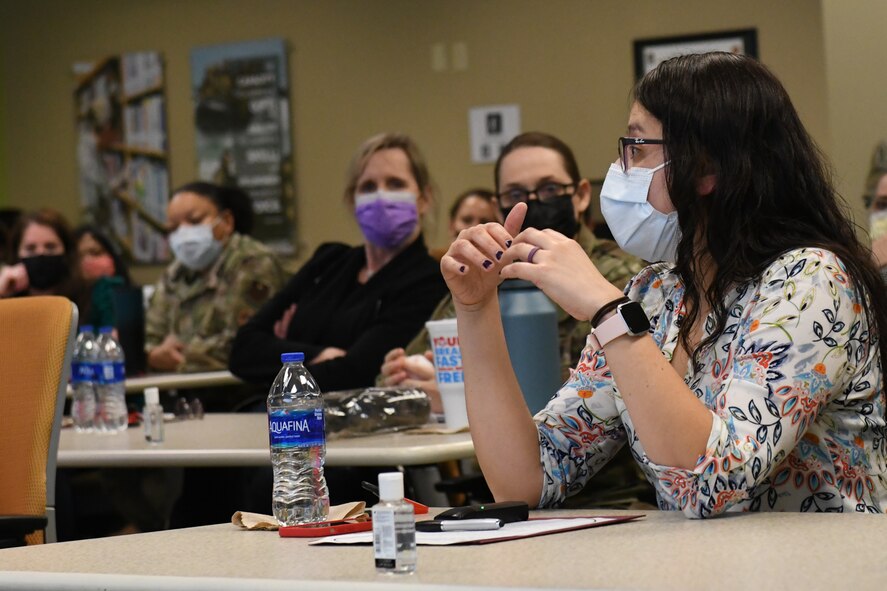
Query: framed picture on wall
x,y
649,53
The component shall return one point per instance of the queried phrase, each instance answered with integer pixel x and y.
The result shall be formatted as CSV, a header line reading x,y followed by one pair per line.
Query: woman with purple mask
x,y
347,305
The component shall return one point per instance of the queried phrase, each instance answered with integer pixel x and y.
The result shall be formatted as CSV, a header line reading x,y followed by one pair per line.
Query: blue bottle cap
x,y
86,328
292,357
106,330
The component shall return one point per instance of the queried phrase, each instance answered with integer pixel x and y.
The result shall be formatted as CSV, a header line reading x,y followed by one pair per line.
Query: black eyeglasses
x,y
628,148
546,192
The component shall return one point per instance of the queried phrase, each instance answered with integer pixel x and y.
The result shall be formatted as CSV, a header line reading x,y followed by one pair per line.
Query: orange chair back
x,y
36,339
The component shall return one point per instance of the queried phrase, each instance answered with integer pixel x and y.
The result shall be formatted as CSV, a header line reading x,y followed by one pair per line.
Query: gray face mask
x,y
195,246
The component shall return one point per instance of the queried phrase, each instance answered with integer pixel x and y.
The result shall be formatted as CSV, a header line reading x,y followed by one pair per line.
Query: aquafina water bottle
x,y
298,444
83,367
110,387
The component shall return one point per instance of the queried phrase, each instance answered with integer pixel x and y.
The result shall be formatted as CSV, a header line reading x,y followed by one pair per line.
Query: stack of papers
x,y
510,531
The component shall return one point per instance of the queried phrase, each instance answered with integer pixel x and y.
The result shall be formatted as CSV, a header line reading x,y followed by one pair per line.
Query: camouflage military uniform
x,y
614,264
204,310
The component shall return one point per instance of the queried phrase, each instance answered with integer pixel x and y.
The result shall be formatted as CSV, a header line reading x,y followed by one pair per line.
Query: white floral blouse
x,y
794,386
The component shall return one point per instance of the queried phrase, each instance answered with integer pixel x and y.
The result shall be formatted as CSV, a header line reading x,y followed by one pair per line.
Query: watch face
x,y
635,318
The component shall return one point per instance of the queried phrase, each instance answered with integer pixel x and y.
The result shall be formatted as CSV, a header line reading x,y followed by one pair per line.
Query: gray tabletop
x,y
241,439
661,551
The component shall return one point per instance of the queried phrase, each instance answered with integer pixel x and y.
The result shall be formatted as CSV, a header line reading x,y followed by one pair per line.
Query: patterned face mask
x,y
638,227
387,218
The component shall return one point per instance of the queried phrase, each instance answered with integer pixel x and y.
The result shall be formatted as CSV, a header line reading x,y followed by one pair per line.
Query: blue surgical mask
x,y
195,246
638,227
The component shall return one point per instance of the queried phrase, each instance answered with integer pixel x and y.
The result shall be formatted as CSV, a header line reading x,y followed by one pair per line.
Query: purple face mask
x,y
386,218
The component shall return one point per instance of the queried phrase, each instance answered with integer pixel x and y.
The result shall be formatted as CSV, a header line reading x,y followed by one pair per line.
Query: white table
x,y
168,381
228,439
661,551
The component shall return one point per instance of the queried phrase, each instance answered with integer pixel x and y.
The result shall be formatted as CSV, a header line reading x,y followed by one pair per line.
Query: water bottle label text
x,y
296,429
110,372
82,372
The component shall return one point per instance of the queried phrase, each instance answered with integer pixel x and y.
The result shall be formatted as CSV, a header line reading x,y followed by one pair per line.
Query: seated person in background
x,y
540,170
102,269
472,207
876,205
8,217
44,259
219,278
347,305
745,373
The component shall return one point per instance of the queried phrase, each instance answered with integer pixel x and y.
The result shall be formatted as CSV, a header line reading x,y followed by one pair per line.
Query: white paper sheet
x,y
519,529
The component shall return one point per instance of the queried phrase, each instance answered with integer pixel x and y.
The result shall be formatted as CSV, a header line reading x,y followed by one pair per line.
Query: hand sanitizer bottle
x,y
394,527
153,416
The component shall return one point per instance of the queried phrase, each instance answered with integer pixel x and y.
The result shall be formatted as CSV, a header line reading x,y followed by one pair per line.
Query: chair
x,y
36,341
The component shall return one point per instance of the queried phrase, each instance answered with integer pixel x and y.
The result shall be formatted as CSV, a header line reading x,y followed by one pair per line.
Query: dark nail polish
x,y
499,255
507,243
462,269
488,264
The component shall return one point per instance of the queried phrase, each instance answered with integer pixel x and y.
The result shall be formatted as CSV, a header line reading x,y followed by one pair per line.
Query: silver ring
x,y
533,252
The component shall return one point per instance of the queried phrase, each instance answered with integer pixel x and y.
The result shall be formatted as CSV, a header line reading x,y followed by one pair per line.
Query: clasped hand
x,y
482,256
13,279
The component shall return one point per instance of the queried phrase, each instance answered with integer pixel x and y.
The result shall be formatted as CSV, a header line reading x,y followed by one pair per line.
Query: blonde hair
x,y
387,141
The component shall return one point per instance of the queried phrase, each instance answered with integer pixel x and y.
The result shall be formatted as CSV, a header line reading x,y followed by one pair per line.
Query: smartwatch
x,y
629,319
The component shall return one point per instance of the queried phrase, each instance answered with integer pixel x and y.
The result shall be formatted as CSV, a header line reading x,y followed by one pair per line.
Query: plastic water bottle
x,y
298,444
110,388
529,320
83,365
394,527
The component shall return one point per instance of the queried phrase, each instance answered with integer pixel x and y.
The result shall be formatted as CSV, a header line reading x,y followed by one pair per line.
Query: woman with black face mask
x,y
43,258
540,170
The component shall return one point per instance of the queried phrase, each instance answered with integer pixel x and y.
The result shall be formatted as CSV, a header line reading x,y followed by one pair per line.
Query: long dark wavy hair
x,y
728,115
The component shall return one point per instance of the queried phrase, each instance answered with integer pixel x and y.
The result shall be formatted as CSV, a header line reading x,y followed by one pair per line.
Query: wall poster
x,y
649,53
122,151
241,113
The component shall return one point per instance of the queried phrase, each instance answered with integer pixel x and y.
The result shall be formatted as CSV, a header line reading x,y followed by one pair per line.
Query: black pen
x,y
368,486
458,525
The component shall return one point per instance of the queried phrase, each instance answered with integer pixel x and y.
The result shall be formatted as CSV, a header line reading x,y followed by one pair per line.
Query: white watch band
x,y
609,329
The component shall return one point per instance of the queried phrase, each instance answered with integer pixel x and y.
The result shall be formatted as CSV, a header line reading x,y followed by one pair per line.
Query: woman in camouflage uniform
x,y
219,278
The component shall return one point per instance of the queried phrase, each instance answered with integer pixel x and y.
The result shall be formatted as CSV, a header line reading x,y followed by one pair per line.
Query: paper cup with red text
x,y
448,370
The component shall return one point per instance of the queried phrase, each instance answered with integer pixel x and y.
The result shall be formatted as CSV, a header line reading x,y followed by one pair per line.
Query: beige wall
x,y
856,54
359,67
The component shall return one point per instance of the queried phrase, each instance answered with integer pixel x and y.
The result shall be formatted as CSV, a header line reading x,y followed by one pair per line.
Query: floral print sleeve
x,y
581,428
793,401
794,386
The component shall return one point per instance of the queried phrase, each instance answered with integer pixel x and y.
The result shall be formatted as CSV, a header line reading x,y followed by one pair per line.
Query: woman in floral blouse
x,y
744,371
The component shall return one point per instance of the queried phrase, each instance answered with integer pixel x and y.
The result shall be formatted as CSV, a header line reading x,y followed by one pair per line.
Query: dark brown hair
x,y
728,115
72,287
537,139
484,194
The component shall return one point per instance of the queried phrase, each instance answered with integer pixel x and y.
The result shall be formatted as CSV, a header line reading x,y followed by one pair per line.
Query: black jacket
x,y
334,310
